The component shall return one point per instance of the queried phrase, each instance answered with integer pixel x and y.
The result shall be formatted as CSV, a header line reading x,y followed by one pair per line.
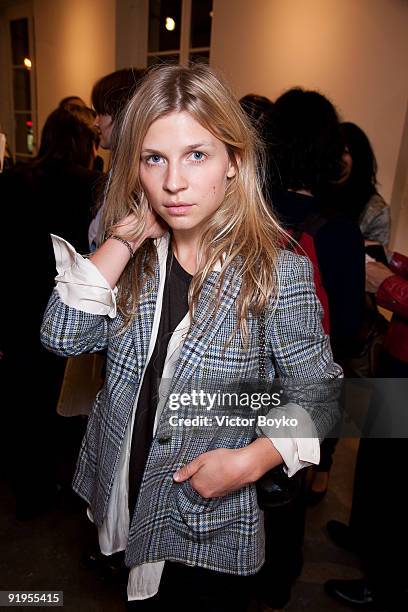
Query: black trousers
x,y
185,588
284,536
327,448
379,511
30,384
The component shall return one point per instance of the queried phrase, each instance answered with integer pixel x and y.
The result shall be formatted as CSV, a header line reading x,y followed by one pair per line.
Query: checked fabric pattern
x,y
172,521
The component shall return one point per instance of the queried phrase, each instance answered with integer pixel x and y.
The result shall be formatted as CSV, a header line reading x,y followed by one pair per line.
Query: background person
x,y
307,150
357,192
109,98
54,193
69,101
377,529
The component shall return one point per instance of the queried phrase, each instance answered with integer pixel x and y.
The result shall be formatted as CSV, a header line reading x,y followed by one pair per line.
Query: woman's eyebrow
x,y
190,147
151,151
197,145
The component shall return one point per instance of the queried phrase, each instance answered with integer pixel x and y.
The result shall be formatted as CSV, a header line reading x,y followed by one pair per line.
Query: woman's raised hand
x,y
154,227
113,256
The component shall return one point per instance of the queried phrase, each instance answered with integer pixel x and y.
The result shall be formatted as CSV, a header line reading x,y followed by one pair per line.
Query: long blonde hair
x,y
243,232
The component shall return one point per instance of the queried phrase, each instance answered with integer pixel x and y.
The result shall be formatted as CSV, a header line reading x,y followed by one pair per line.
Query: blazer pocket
x,y
189,500
217,520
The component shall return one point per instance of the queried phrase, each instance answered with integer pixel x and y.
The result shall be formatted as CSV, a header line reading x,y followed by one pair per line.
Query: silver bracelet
x,y
125,242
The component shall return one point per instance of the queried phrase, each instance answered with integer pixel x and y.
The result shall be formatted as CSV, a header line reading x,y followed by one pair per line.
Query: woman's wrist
x,y
261,456
123,241
131,245
112,257
124,235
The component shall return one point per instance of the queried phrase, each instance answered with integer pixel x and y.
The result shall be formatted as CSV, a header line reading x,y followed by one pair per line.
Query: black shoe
x,y
92,560
340,534
353,593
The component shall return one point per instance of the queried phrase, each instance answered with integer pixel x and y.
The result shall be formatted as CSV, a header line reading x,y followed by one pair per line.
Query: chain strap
x,y
262,347
262,351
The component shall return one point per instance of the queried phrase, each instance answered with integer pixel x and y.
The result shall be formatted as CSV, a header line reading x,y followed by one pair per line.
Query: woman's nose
x,y
175,179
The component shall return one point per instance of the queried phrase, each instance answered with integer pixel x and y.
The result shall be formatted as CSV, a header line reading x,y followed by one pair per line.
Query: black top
x,y
340,252
174,309
54,197
35,200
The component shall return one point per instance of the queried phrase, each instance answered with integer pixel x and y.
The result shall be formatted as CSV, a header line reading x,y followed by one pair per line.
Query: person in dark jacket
x,y
377,530
53,194
305,156
307,153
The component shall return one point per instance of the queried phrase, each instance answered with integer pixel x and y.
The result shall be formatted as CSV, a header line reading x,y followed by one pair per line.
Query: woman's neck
x,y
185,249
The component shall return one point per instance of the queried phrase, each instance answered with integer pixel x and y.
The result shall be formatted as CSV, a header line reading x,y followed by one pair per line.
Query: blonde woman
x,y
192,259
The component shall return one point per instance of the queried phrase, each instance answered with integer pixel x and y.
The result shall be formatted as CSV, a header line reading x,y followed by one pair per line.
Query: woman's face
x,y
104,123
347,162
184,171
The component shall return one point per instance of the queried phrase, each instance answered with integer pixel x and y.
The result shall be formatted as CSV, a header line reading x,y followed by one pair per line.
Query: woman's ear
x,y
232,166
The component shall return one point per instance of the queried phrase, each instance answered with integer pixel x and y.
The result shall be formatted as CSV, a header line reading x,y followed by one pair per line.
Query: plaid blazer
x,y
171,520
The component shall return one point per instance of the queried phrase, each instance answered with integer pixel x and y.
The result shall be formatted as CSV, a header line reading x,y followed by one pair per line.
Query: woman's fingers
x,y
188,470
217,472
154,226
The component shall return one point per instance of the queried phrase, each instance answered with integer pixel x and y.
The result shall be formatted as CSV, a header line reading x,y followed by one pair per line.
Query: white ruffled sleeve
x,y
79,282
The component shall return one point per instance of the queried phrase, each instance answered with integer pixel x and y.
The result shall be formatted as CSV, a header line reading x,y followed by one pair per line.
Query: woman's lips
x,y
178,208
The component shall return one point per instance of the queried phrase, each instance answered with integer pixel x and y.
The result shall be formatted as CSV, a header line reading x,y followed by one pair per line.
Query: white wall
x,y
75,46
131,33
353,51
399,198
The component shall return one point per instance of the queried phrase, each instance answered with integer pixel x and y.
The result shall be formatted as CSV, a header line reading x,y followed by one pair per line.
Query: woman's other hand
x,y
223,470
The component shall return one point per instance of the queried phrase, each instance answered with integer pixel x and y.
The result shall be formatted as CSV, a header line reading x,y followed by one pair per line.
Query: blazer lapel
x,y
143,322
206,325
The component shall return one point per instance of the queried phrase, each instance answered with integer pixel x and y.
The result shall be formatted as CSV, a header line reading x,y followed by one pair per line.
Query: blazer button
x,y
164,439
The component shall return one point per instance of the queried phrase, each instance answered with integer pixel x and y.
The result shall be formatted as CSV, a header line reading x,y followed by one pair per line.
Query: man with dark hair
x,y
109,97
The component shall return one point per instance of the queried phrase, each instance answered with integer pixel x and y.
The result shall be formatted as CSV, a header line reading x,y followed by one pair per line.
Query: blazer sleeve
x,y
302,353
77,316
67,331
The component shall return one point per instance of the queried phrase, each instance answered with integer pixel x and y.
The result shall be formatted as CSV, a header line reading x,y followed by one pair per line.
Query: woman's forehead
x,y
178,129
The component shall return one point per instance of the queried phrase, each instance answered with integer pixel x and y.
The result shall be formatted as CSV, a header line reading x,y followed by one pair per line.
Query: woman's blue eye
x,y
198,156
154,159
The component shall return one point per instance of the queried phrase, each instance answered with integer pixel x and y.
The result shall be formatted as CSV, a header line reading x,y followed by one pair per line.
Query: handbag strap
x,y
262,347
